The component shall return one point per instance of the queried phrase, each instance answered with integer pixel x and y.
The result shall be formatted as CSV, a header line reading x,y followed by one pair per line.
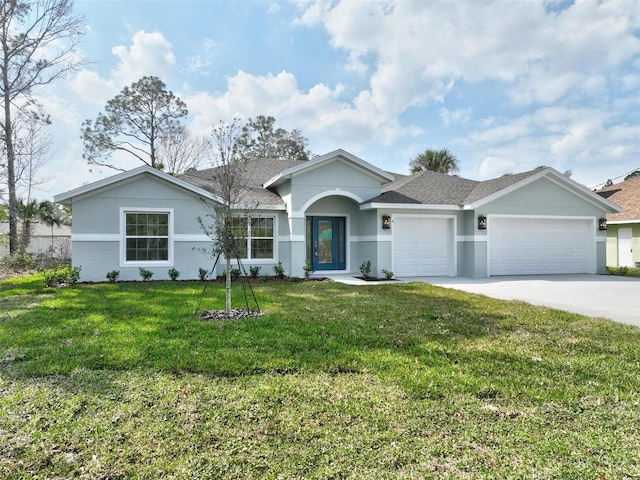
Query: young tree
x,y
179,151
135,121
259,139
442,161
38,39
227,178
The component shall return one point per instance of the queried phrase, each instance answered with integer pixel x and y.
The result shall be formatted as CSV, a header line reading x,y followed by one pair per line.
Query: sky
x,y
506,86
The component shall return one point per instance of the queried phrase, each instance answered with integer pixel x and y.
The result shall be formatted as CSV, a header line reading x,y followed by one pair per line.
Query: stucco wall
x,y
97,229
546,198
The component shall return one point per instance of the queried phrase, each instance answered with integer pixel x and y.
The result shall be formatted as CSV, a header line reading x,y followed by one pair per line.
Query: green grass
x,y
334,381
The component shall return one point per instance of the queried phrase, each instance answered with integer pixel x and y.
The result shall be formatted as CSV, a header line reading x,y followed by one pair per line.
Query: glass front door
x,y
326,242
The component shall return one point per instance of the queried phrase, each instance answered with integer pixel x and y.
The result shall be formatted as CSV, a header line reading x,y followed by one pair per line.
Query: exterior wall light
x,y
602,224
386,222
482,222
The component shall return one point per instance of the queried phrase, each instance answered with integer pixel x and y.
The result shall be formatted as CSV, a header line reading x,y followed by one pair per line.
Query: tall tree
x,y
32,144
180,151
38,40
260,139
134,122
442,161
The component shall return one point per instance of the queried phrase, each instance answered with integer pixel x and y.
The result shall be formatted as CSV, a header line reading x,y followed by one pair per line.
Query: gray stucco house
x,y
339,211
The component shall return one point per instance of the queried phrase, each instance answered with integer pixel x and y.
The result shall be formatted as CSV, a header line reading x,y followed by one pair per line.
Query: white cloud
x,y
202,61
460,116
149,54
421,47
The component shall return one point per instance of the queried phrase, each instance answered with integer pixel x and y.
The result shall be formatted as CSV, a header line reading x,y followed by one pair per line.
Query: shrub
x,y
308,269
74,275
365,269
64,275
255,271
113,275
279,270
235,273
387,274
173,274
145,274
202,274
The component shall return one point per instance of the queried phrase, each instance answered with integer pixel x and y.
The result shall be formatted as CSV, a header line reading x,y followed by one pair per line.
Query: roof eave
x,y
408,206
316,161
69,196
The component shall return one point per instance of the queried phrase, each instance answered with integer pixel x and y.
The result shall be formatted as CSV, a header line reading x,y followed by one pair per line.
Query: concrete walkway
x,y
611,297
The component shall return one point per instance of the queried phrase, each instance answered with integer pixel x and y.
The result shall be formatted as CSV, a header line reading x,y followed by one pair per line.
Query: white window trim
x,y
123,238
257,261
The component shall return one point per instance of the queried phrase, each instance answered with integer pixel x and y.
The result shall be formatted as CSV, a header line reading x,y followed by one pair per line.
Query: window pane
x,y
262,248
147,236
262,227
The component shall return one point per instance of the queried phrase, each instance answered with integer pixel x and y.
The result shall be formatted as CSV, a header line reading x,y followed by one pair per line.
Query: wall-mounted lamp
x,y
482,222
602,224
386,222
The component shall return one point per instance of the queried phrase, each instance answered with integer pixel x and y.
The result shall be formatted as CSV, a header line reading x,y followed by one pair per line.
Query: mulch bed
x,y
234,314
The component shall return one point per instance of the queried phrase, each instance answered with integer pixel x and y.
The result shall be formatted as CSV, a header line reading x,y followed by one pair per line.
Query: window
x,y
146,236
255,237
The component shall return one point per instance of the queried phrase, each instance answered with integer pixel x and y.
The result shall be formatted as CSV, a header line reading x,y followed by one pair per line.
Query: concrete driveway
x,y
612,297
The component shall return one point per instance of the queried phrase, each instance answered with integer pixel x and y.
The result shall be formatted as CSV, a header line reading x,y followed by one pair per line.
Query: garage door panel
x,y
525,246
422,246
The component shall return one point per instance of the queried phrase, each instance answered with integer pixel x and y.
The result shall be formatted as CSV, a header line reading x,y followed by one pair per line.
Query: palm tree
x,y
442,161
30,210
50,216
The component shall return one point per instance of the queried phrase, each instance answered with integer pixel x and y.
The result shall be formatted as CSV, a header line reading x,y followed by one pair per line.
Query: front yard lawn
x,y
412,381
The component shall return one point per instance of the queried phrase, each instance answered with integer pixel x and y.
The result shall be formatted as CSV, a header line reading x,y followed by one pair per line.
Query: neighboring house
x,y
623,228
338,211
44,239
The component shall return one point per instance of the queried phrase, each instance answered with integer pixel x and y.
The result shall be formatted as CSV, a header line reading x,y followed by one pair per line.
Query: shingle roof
x,y
256,173
625,194
432,188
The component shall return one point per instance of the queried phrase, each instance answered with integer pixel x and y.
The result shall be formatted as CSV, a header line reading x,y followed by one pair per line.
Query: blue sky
x,y
506,86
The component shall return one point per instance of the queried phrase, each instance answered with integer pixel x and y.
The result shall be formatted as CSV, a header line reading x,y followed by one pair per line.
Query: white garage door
x,y
422,246
530,246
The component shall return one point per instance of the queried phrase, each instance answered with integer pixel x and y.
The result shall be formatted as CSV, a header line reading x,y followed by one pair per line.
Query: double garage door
x,y
424,246
532,245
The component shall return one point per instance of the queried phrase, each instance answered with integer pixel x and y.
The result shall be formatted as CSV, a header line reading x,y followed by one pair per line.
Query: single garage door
x,y
531,245
422,246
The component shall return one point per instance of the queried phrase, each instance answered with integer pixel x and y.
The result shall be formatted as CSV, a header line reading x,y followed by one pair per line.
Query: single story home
x,y
337,211
623,228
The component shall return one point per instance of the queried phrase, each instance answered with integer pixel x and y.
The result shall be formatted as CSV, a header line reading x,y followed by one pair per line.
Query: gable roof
x,y
627,195
440,190
287,174
68,197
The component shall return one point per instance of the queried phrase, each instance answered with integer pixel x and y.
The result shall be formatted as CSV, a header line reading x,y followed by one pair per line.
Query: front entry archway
x,y
326,242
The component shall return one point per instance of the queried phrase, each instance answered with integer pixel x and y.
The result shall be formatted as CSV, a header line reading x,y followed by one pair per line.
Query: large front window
x,y
146,236
255,237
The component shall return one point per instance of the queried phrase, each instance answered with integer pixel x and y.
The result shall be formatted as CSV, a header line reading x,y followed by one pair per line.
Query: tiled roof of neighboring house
x,y
625,194
434,188
256,173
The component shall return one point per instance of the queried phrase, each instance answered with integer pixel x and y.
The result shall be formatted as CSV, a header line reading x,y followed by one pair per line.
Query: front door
x,y
625,252
326,242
